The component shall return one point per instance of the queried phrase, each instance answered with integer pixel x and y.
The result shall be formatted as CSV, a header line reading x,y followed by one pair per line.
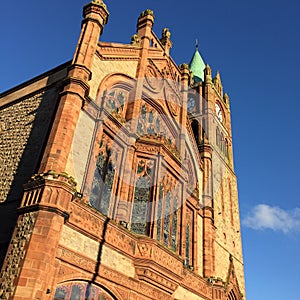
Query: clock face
x,y
219,113
191,104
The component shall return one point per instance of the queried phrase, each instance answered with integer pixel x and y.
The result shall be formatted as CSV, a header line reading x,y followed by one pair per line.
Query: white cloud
x,y
263,216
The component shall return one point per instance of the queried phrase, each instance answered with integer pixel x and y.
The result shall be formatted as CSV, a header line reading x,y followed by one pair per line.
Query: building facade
x,y
117,178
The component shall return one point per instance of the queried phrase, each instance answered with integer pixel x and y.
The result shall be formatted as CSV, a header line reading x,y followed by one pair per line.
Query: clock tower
x,y
210,117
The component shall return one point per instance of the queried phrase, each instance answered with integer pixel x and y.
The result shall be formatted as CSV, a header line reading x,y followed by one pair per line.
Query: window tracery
x,y
80,290
142,197
115,102
150,122
168,212
104,174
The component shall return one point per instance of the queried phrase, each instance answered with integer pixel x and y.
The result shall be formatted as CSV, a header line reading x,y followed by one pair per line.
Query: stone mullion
x,y
171,219
119,173
156,188
163,206
124,209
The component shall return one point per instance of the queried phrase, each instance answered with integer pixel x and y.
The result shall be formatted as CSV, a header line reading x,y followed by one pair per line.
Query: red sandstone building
x,y
116,176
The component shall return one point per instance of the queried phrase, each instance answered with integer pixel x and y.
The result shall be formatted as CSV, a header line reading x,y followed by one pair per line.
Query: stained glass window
x,y
144,112
141,205
77,291
168,213
116,101
103,181
174,224
80,291
159,213
151,116
167,218
158,125
187,244
61,293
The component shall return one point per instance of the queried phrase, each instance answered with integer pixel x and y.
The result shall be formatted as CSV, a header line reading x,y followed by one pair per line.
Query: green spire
x,y
197,65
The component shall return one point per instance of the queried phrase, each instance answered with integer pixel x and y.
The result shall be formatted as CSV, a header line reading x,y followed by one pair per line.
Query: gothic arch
x,y
114,80
81,289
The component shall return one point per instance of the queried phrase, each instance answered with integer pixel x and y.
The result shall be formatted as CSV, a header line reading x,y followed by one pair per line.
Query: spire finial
x,y
197,44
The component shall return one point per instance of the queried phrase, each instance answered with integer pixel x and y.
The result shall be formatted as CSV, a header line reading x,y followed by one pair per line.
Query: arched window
x,y
80,290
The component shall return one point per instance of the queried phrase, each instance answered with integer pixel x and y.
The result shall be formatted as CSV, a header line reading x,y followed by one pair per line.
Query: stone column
x,y
208,211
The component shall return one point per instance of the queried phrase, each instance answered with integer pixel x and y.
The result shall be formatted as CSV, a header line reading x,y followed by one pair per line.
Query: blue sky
x,y
256,46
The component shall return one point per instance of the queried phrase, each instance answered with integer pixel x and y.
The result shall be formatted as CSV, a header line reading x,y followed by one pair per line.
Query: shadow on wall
x,y
25,124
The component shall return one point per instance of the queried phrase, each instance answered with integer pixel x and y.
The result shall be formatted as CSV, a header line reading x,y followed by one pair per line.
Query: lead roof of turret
x,y
197,66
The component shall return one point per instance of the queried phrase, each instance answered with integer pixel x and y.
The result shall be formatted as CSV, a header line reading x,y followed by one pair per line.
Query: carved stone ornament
x,y
54,175
172,96
154,80
135,40
147,12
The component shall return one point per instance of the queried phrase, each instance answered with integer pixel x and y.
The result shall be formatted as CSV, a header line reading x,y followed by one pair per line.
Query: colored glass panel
x,y
141,205
167,218
174,224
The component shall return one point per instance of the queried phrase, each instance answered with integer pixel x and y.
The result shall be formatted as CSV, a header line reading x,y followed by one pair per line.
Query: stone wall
x,y
228,236
24,126
77,160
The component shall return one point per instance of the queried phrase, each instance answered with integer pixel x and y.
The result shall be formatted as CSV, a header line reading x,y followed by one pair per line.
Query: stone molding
x,y
49,191
154,263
